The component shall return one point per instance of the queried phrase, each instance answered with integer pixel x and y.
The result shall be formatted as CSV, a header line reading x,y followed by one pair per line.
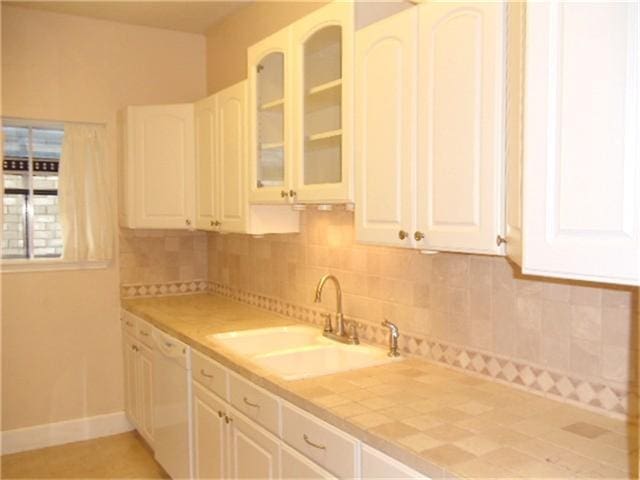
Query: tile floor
x,y
118,456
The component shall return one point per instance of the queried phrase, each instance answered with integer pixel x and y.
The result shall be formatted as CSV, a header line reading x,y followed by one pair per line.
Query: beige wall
x,y
480,302
61,355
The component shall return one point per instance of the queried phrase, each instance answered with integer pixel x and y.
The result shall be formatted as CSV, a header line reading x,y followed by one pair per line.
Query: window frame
x,y
37,264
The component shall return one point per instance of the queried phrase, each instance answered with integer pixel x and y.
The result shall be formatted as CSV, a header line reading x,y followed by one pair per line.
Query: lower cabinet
x,y
295,466
138,375
209,430
254,453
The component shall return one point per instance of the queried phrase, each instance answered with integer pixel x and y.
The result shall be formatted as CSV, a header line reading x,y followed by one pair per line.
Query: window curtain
x,y
84,191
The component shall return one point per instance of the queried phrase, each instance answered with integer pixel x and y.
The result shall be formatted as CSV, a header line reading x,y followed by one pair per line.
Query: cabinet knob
x,y
228,419
418,236
402,235
212,223
216,223
259,184
284,193
292,193
220,414
500,240
187,222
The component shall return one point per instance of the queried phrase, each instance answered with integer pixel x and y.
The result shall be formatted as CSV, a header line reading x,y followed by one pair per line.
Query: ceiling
x,y
186,16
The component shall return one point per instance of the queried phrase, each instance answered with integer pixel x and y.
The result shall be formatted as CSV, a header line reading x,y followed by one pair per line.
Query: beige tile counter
x,y
434,419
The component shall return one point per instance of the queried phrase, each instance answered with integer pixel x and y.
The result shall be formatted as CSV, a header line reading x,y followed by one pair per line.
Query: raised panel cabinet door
x,y
164,158
254,453
210,435
385,119
231,157
145,382
323,104
581,133
270,122
206,175
131,386
460,196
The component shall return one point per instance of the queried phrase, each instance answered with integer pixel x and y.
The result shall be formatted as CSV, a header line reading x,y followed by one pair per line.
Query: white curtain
x,y
84,190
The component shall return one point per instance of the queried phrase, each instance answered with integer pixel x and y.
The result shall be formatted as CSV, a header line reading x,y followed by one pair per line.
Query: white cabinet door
x,y
161,147
385,119
209,430
206,175
145,391
294,466
254,452
270,103
376,465
581,156
323,104
231,157
131,404
460,127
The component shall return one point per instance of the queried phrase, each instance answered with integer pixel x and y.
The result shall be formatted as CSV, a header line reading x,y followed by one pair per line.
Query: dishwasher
x,y
172,405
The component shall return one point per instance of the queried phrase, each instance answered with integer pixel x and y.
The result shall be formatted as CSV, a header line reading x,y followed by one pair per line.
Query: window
x,y
31,227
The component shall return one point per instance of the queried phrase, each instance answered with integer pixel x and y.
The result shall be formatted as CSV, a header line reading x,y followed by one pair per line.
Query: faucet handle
x,y
353,332
393,338
328,328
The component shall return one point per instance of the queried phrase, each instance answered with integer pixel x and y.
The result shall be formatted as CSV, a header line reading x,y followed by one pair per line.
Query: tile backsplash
x,y
479,307
477,302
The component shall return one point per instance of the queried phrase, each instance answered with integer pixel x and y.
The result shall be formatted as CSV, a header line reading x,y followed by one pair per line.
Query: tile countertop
x,y
434,419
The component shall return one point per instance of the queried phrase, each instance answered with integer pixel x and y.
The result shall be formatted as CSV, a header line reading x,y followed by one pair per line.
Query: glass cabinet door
x,y
270,105
322,78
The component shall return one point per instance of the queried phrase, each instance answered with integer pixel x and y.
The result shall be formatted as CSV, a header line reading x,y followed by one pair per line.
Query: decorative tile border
x,y
163,289
596,396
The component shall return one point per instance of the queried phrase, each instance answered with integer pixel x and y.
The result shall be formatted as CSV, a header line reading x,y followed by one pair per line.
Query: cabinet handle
x,y
314,445
284,193
402,235
500,240
259,184
217,223
418,236
134,348
168,344
220,414
187,222
212,223
205,374
292,193
143,333
228,419
254,405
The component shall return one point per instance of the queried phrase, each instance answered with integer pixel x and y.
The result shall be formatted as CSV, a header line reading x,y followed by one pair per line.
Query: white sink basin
x,y
266,340
297,351
322,360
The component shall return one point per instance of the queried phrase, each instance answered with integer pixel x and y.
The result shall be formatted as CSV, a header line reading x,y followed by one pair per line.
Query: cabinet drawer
x,y
129,323
255,403
294,466
143,332
377,465
209,374
329,447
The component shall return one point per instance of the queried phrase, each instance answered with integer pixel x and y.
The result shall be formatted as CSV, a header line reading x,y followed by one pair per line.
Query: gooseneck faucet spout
x,y
340,333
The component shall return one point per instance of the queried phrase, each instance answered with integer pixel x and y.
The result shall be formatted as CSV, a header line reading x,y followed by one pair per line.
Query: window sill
x,y
48,265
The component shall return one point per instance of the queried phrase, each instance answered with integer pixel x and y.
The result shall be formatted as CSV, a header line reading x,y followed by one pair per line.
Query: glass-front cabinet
x,y
323,96
302,112
270,103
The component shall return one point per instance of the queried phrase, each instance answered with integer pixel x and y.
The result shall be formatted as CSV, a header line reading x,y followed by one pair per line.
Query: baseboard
x,y
47,435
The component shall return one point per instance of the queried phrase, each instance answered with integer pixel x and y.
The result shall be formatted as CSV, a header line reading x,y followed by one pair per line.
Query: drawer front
x,y
129,322
376,464
143,332
327,446
255,403
209,374
295,466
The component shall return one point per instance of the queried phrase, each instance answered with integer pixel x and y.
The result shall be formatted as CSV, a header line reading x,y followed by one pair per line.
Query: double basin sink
x,y
297,352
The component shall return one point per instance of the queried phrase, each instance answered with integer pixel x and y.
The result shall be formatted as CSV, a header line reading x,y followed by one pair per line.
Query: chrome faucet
x,y
393,338
340,333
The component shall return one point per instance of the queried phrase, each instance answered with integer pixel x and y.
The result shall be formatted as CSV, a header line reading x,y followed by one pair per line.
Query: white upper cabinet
x,y
386,66
158,168
206,175
270,95
581,198
301,110
222,170
231,157
460,168
323,104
